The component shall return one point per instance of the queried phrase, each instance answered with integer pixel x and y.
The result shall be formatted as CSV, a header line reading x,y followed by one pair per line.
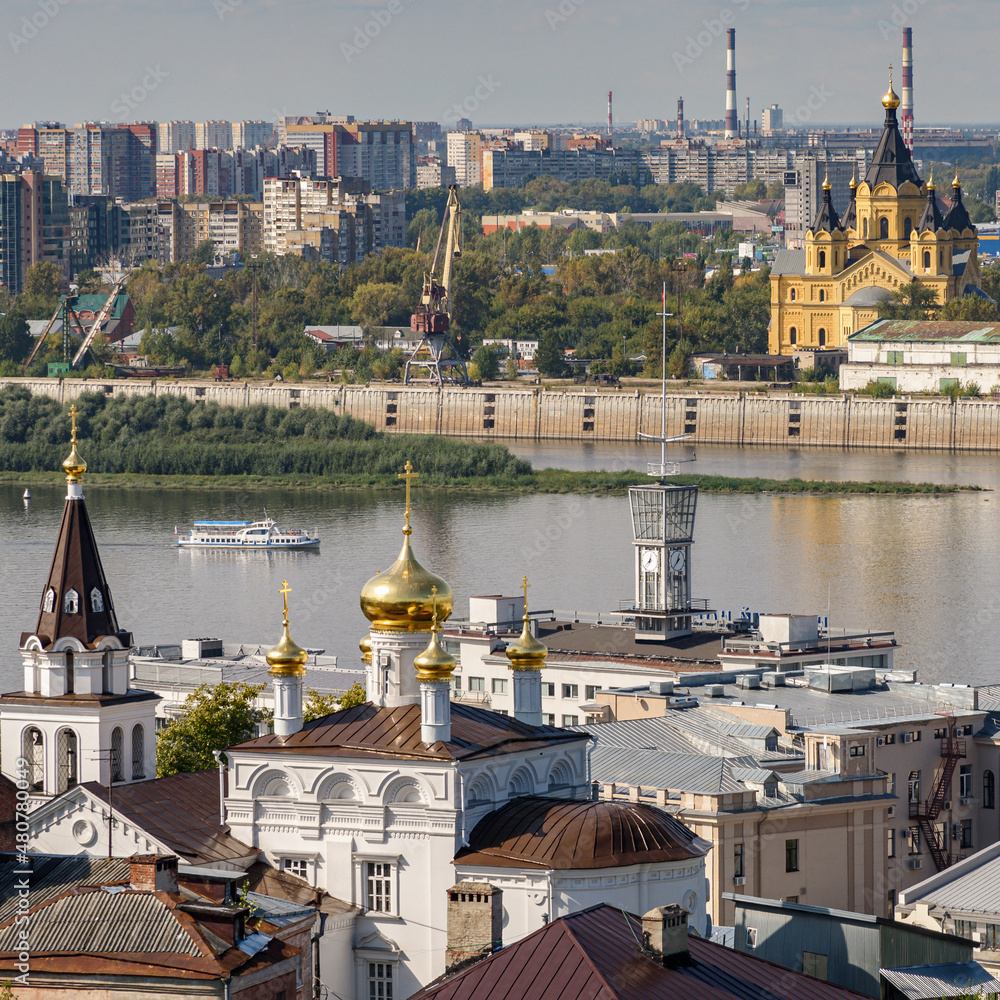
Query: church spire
x,y
892,162
76,600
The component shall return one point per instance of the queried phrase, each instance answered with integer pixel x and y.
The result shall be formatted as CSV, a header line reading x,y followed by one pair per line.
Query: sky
x,y
493,61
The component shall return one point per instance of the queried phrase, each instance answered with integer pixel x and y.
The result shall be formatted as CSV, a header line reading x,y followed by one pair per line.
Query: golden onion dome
x,y
527,653
890,101
827,186
930,181
403,598
74,466
365,645
287,659
956,183
854,178
435,663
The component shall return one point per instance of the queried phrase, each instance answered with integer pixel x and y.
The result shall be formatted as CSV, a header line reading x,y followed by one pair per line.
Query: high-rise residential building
x,y
213,135
426,131
175,137
465,156
771,119
804,186
431,173
34,225
249,134
381,153
117,160
95,224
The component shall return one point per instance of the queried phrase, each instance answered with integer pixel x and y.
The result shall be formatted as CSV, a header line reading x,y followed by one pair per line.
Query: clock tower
x,y
663,529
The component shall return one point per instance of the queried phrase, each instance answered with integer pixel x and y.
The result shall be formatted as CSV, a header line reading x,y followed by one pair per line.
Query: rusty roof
x,y
928,331
535,831
181,812
594,955
369,731
52,875
76,566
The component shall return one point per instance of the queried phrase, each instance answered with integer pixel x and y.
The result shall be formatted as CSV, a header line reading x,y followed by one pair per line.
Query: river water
x,y
927,567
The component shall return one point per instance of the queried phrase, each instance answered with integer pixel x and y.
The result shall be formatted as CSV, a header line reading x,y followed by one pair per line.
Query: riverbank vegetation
x,y
164,442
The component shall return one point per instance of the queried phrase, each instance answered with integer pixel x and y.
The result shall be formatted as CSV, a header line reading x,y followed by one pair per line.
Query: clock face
x,y
650,560
677,560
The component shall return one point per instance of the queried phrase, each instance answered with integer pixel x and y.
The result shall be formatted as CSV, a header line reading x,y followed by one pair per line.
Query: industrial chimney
x,y
907,95
680,119
732,124
609,114
746,130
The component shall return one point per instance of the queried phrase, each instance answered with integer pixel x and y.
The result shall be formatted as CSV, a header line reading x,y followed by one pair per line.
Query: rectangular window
x,y
893,357
791,855
814,964
966,829
890,738
940,734
885,380
947,384
571,691
296,866
380,981
964,928
858,750
738,861
548,719
456,683
958,359
913,787
378,886
990,937
965,781
890,842
571,720
477,683
499,685
548,689
592,690
913,839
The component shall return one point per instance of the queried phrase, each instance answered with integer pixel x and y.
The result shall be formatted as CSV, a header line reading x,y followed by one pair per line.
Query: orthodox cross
x,y
409,476
72,417
285,591
524,586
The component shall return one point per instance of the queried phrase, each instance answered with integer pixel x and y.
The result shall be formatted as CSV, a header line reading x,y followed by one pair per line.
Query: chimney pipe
x,y
746,131
680,119
609,115
907,95
732,124
665,934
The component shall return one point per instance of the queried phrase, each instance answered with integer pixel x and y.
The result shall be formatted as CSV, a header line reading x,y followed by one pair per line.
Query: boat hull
x,y
188,543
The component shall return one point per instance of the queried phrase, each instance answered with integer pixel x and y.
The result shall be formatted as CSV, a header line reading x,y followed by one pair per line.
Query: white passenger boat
x,y
248,535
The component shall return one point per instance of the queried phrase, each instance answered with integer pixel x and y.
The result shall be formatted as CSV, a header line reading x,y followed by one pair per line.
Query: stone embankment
x,y
579,414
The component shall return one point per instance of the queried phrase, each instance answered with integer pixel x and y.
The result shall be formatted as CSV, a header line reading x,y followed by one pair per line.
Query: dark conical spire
x,y
827,219
931,218
850,219
76,601
958,215
892,161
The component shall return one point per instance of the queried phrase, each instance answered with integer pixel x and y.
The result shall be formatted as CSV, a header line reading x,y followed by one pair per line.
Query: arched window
x,y
940,258
96,600
71,602
138,751
864,235
927,260
907,227
883,229
67,760
792,295
793,335
822,258
989,790
33,751
822,295
49,604
822,338
117,752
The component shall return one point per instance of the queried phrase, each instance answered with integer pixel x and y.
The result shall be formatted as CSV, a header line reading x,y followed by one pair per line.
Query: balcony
x,y
696,605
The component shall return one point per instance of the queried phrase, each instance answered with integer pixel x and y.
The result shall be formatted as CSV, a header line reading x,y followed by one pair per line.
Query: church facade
x,y
892,233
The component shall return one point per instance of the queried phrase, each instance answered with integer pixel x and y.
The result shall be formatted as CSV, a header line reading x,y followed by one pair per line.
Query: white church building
x,y
452,829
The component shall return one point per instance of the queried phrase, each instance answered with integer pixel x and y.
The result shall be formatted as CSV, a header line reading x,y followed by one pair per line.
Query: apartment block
x,y
175,137
34,225
512,167
213,135
383,154
803,182
432,173
465,157
95,224
248,134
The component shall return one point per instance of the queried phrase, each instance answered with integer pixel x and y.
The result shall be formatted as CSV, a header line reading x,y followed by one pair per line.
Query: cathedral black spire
x,y
891,162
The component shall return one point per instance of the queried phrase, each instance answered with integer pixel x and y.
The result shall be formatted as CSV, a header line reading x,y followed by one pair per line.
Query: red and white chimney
x,y
907,95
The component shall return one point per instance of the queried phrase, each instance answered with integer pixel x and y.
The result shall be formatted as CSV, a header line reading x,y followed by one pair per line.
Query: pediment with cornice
x,y
872,270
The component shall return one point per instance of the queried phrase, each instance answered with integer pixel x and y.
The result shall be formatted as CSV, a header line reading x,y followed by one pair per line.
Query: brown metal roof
x,y
370,731
181,812
595,955
76,565
618,644
567,834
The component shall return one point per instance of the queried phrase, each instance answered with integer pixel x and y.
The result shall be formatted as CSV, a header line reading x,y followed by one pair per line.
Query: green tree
x,y
375,303
776,190
15,337
971,308
487,360
753,190
549,357
203,254
89,282
679,360
353,696
911,301
214,718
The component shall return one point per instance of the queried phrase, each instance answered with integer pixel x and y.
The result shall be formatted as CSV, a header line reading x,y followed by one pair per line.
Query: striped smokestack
x,y
680,118
907,95
609,113
732,123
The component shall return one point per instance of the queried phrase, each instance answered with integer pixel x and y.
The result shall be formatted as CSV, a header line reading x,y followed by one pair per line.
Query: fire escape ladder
x,y
925,813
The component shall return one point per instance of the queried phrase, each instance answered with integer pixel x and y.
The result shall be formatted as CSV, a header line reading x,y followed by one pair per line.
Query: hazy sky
x,y
498,61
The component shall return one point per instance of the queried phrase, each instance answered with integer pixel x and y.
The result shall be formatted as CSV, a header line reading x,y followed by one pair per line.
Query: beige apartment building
x,y
465,157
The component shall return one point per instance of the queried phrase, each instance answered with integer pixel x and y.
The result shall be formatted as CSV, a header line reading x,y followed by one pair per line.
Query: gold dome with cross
x,y
527,653
287,659
74,466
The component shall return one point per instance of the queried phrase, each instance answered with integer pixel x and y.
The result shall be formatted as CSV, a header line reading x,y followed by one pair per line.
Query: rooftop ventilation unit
x,y
661,687
749,682
716,691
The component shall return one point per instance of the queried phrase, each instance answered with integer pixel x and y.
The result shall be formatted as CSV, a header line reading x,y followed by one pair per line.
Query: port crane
x,y
436,352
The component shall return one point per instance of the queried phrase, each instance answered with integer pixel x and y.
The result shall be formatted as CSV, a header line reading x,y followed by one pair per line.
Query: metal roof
x,y
127,922
372,732
932,982
904,331
596,955
678,772
789,262
51,876
972,886
563,834
869,296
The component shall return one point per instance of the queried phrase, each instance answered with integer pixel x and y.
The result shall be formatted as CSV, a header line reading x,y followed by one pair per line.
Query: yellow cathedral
x,y
891,234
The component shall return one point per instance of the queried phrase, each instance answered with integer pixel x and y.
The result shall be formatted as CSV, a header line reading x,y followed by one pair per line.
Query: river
x,y
926,566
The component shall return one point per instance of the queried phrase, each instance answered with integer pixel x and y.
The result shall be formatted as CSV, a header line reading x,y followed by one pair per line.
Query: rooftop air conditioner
x,y
915,863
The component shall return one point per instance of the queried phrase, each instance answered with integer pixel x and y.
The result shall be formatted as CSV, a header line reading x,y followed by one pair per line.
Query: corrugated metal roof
x,y
595,955
676,771
566,835
928,331
975,890
789,262
97,921
932,982
51,876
